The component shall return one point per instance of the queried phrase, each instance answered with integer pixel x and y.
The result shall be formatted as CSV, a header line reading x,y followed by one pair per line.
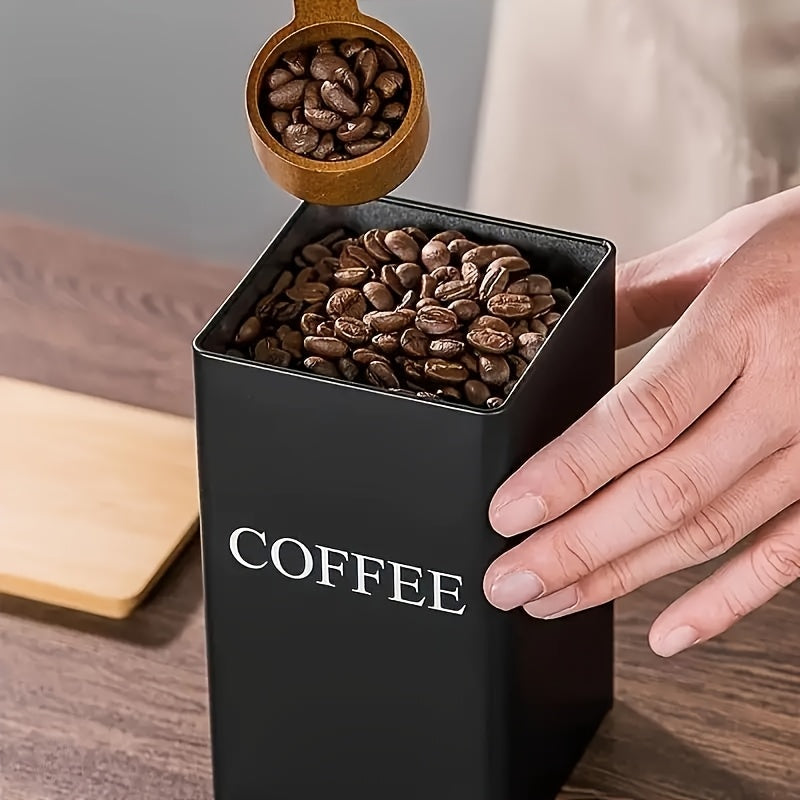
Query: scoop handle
x,y
307,12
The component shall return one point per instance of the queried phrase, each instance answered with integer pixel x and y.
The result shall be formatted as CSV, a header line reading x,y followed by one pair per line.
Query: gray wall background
x,y
126,117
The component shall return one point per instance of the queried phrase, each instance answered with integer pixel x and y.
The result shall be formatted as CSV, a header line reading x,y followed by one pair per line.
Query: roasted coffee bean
x,y
323,119
280,121
310,322
510,306
562,297
550,318
519,327
348,369
234,353
508,387
389,277
409,300
308,292
387,342
306,275
514,265
372,104
517,364
260,349
381,130
389,83
537,326
379,373
470,362
436,321
426,302
326,329
477,393
427,287
386,58
346,303
494,281
352,276
325,346
379,296
352,330
446,274
402,245
351,47
362,147
336,157
286,311
488,321
393,112
419,235
471,273
446,348
249,331
541,303
441,371
389,321
435,254
336,98
413,370
465,310
373,244
365,356
457,247
491,341
450,291
312,97
321,366
315,252
482,256
354,129
447,236
414,342
448,393
529,344
274,356
297,115
493,369
354,256
278,77
300,139
316,308
287,96
296,61
324,66
293,344
408,274
367,66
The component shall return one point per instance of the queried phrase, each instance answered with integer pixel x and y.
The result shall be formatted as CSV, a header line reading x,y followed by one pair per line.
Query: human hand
x,y
695,449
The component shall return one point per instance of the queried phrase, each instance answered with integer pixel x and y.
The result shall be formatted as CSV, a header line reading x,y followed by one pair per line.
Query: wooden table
x,y
92,709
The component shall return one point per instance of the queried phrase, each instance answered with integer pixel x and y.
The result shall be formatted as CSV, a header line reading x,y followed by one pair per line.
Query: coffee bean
x,y
296,61
386,58
389,83
325,346
234,353
379,296
261,348
373,244
249,331
446,348
367,66
550,318
517,364
286,311
297,115
541,303
393,112
388,321
448,393
510,306
457,247
381,374
413,370
414,342
476,392
389,277
482,256
321,366
450,291
336,157
278,77
287,96
490,341
427,287
426,302
447,236
300,138
326,267
324,66
352,330
308,292
362,147
417,234
326,329
352,47
292,343
441,371
494,402
488,321
364,356
471,273
346,303
465,310
387,342
408,274
372,104
537,326
435,254
494,281
409,300
402,245
562,297
323,119
273,356
312,97
381,130
310,322
436,321
446,274
348,369
354,129
493,369
470,362
529,344
352,276
513,264
315,252
280,121
337,99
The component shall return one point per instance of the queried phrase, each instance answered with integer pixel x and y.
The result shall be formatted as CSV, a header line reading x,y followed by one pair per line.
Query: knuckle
x,y
571,466
574,557
647,413
777,562
735,605
666,496
710,534
621,579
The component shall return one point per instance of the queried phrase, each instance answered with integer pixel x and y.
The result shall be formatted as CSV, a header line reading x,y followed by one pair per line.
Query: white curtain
x,y
638,120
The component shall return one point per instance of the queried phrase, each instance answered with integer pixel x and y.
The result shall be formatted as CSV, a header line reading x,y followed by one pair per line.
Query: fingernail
x,y
514,589
554,604
519,514
676,641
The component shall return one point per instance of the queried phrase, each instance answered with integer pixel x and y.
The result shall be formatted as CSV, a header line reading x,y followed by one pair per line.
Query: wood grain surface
x,y
95,709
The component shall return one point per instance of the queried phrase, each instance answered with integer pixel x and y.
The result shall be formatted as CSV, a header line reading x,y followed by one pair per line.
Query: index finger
x,y
681,377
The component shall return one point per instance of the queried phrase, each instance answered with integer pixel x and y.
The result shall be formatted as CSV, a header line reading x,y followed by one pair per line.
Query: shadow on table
x,y
634,758
160,618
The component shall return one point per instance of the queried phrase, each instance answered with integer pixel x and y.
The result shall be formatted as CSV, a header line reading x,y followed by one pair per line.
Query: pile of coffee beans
x,y
440,316
336,101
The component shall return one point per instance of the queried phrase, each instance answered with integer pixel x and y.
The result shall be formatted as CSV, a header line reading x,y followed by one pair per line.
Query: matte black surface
x,y
324,692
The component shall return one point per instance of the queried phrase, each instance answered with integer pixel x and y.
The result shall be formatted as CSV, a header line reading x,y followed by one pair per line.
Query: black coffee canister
x,y
351,651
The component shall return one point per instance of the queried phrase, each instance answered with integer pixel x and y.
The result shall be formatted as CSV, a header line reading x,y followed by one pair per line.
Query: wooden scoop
x,y
356,180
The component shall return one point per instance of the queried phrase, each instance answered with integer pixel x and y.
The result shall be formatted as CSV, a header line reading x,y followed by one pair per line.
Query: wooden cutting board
x,y
96,497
